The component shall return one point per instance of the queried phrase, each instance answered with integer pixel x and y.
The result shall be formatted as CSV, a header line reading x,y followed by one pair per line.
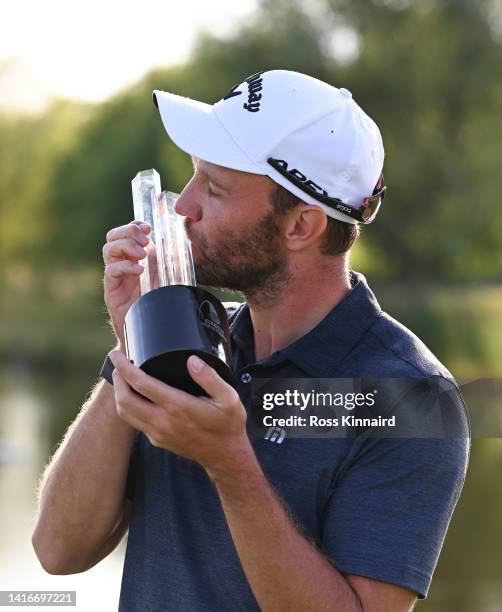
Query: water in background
x,y
34,411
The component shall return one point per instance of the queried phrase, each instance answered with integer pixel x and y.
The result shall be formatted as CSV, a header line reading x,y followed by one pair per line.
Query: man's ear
x,y
303,227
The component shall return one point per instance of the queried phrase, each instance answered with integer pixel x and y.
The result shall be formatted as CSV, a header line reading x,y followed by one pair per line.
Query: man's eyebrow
x,y
209,176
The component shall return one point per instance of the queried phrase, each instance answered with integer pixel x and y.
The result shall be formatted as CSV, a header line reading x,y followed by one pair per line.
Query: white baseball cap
x,y
308,136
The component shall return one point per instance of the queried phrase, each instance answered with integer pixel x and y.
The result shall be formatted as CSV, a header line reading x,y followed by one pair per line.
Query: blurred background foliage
x,y
428,72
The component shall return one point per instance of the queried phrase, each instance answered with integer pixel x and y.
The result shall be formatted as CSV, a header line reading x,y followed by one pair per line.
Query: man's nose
x,y
187,205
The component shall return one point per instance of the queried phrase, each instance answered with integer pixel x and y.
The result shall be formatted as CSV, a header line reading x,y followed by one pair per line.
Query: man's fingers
x,y
205,376
141,223
114,272
123,248
131,407
148,386
136,230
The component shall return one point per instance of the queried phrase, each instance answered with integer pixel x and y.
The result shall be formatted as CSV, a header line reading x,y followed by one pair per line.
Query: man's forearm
x,y
284,570
82,490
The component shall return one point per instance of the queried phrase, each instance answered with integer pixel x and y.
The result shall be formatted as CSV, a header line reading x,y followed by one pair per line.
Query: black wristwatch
x,y
107,370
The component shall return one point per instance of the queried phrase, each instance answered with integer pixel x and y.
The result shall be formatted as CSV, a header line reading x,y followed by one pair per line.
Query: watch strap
x,y
107,370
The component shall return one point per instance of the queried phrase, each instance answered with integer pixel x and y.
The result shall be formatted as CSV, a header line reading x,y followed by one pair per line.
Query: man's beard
x,y
254,262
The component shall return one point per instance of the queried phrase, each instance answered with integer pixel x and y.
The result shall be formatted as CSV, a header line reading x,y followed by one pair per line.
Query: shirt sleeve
x,y
388,514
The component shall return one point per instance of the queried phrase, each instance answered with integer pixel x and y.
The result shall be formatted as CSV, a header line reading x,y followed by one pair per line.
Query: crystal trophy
x,y
145,193
173,318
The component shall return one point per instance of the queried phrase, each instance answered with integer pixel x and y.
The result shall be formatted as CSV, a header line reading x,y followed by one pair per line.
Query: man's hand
x,y
125,247
209,430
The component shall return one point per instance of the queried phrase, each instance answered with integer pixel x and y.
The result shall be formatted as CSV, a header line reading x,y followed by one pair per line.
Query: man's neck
x,y
304,302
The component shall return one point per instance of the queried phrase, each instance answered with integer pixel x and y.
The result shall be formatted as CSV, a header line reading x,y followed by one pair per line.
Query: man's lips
x,y
196,243
191,235
196,250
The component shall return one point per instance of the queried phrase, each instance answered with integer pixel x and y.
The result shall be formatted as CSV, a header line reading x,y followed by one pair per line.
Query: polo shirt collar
x,y
241,328
320,350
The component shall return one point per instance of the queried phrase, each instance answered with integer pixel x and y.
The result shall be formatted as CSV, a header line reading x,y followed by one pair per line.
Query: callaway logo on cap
x,y
310,137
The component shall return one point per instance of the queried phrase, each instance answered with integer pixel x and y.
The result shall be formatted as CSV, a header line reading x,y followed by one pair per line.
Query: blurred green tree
x,y
31,149
425,70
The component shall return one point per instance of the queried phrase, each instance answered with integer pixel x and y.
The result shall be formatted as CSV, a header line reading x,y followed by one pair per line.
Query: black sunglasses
x,y
363,214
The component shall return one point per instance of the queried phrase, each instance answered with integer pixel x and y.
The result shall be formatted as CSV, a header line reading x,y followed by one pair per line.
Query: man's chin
x,y
208,278
202,276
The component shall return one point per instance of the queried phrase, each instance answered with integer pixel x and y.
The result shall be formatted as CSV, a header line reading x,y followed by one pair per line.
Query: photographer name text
x,y
348,420
312,400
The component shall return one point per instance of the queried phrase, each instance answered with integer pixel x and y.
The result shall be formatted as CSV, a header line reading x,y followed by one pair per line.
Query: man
x,y
285,167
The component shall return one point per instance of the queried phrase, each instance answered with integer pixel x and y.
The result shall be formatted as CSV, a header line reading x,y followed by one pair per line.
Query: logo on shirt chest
x,y
275,434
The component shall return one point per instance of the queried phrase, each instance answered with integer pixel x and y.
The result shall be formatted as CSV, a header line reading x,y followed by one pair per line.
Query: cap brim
x,y
195,129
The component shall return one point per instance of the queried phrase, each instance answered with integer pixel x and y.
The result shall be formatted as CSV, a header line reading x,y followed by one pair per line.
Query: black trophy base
x,y
167,325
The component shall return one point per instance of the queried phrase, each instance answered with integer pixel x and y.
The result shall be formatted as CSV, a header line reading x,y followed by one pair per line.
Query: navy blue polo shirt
x,y
376,507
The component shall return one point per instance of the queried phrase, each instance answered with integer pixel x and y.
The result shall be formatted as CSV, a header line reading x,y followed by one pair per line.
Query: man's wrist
x,y
108,367
237,464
